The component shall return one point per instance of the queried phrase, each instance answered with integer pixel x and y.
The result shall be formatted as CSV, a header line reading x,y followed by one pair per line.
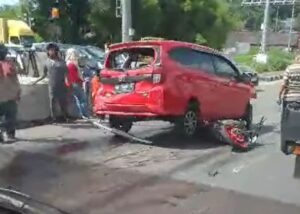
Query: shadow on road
x,y
171,139
267,129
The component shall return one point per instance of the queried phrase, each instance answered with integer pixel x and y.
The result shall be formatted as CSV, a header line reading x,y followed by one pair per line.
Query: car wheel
x,y
188,123
120,124
248,118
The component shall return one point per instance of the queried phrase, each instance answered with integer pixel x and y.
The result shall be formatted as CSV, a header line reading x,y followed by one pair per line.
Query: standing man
x,y
10,92
57,71
290,89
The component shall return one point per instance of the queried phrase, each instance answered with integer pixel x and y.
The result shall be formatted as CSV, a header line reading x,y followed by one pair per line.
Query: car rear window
x,y
131,58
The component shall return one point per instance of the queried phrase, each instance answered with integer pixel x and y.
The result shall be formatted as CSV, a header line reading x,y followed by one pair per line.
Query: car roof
x,y
169,43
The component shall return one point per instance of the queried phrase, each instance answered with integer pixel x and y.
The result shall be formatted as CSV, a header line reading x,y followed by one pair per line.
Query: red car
x,y
183,83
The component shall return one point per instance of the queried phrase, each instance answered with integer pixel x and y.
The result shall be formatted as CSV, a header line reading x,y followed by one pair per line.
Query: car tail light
x,y
156,78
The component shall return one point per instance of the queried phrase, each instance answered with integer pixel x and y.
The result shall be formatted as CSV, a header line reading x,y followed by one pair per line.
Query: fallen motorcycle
x,y
236,134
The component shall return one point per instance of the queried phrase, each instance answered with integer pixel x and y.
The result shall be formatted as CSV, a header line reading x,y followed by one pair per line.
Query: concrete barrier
x,y
34,104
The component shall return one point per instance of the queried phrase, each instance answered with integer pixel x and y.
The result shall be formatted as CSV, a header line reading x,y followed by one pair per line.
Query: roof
x,y
170,43
254,38
18,27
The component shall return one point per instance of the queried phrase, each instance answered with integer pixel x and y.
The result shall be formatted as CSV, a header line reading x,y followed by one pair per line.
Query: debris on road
x,y
118,132
213,173
236,170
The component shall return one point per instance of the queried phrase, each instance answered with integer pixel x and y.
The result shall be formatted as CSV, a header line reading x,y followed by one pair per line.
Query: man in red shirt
x,y
75,81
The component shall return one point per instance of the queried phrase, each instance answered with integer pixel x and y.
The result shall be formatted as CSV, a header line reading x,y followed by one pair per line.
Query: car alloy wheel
x,y
190,123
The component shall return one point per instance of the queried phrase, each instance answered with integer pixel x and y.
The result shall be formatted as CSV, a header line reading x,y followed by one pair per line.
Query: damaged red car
x,y
180,82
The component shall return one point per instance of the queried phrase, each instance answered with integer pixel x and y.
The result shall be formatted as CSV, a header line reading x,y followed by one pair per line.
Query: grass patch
x,y
278,60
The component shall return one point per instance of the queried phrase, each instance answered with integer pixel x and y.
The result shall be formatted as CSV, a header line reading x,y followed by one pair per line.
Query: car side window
x,y
192,59
205,62
224,68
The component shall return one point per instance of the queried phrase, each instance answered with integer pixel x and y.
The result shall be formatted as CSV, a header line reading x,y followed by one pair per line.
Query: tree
x,y
177,19
10,12
72,19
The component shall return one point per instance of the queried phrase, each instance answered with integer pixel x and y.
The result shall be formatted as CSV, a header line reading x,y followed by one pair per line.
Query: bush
x,y
278,60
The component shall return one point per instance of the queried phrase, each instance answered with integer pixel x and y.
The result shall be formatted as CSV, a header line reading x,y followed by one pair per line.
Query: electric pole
x,y
126,20
291,27
265,27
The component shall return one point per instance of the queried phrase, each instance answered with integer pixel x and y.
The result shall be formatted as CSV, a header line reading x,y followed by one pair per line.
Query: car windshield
x,y
27,41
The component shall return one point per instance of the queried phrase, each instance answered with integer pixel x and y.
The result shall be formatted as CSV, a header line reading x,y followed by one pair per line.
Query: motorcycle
x,y
236,134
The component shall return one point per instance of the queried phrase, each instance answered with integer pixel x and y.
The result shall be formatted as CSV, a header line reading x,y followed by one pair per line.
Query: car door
x,y
233,95
192,81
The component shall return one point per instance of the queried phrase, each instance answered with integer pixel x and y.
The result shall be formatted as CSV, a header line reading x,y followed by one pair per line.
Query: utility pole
x,y
291,26
265,27
126,20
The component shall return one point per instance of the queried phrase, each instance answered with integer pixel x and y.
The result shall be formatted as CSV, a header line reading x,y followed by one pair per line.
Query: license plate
x,y
124,88
297,150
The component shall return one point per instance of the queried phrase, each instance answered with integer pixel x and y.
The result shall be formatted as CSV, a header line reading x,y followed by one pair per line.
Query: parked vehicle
x,y
251,72
290,137
16,32
179,82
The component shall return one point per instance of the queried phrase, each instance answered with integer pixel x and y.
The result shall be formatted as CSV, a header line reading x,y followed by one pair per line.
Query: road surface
x,y
84,170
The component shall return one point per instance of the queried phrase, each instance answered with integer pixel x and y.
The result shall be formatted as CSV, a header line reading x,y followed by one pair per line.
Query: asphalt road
x,y
85,170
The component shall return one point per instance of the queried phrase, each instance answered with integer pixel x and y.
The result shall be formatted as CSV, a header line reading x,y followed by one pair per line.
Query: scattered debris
x,y
118,132
213,173
236,170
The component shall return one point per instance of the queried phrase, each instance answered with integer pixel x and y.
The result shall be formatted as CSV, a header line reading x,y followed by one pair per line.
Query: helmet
x,y
3,51
52,46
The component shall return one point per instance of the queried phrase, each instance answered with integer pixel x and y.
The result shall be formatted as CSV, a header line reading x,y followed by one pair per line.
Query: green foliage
x,y
10,12
38,38
278,60
72,21
200,39
199,21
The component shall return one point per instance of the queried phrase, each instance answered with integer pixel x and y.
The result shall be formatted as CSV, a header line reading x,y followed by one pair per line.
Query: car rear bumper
x,y
143,104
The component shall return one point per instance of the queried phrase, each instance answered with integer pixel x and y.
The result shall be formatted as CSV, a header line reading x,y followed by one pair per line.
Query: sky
x,y
8,2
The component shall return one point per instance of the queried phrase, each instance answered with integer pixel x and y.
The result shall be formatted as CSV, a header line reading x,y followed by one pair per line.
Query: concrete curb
x,y
270,78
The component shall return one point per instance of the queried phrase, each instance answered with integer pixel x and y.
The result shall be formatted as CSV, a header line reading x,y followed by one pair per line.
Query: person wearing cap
x,y
56,70
10,92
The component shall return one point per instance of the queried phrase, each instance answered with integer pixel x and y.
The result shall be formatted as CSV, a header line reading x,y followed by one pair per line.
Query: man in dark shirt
x,y
56,70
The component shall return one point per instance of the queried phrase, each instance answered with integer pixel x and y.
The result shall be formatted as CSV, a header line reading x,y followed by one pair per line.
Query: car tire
x,y
121,124
188,124
248,117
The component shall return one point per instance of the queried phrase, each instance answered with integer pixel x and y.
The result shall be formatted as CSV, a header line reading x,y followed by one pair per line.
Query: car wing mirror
x,y
246,78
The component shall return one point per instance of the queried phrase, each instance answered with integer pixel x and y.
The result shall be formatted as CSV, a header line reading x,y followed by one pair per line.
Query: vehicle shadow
x,y
171,139
267,129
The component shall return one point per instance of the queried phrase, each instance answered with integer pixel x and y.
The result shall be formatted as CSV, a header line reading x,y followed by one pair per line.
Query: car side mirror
x,y
246,78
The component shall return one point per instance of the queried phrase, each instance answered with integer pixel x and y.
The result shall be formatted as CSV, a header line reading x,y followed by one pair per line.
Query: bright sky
x,y
8,2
